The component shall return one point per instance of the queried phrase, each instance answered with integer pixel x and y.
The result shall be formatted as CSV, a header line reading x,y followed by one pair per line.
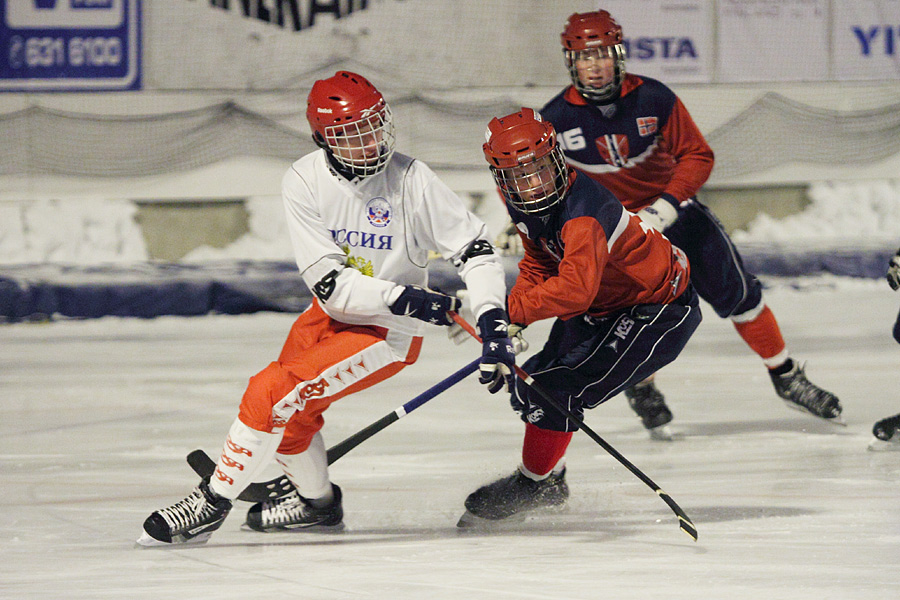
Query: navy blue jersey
x,y
646,145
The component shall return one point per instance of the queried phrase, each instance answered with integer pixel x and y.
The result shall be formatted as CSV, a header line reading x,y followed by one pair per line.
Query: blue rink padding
x,y
146,290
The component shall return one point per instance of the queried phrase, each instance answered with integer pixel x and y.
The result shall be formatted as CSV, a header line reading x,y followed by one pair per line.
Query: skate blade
x,y
472,522
838,420
661,434
879,445
145,541
339,528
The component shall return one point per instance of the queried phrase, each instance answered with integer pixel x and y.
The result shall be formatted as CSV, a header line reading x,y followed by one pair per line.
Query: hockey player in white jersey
x,y
362,220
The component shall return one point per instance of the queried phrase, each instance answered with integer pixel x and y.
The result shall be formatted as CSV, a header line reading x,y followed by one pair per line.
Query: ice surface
x,y
96,418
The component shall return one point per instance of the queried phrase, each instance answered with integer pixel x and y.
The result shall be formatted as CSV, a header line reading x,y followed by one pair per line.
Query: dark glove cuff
x,y
493,324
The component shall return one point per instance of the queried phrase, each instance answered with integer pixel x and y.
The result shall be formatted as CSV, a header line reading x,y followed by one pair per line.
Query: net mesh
x,y
771,132
226,79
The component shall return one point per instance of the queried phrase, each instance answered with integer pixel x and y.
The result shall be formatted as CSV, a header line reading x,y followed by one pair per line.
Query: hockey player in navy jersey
x,y
618,290
633,135
887,430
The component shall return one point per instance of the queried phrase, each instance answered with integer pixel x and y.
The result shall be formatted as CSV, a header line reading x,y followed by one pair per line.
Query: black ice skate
x,y
189,521
514,495
648,402
800,394
295,512
887,434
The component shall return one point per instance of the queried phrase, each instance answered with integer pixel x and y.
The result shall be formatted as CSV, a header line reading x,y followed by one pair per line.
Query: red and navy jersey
x,y
591,256
648,147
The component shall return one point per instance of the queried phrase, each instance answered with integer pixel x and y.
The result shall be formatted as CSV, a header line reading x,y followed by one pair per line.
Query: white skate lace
x,y
282,510
188,512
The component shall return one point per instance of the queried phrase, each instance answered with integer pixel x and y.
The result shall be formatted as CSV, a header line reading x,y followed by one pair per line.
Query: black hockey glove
x,y
425,305
893,272
498,360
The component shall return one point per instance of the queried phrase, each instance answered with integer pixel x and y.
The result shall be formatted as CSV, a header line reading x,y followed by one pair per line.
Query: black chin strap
x,y
335,164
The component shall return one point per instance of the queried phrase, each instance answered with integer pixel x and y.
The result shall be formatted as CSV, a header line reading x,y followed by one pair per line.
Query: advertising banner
x,y
69,45
866,39
670,40
772,40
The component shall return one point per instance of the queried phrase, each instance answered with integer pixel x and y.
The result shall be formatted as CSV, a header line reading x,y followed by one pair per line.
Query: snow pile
x,y
858,214
93,232
267,238
83,232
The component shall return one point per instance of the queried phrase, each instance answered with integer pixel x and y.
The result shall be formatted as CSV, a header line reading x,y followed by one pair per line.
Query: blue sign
x,y
70,45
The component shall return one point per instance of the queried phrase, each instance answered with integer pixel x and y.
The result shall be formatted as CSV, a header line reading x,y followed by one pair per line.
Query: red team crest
x,y
613,148
647,125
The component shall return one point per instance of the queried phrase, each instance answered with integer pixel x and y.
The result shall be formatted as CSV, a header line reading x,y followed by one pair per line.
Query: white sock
x,y
246,453
308,471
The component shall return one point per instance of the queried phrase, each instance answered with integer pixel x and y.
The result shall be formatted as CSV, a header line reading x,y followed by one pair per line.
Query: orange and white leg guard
x,y
245,454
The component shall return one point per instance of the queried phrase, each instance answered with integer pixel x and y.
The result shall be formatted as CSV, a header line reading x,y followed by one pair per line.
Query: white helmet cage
x,y
365,146
536,186
609,91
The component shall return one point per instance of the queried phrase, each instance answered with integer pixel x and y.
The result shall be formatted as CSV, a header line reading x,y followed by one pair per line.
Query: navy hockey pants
x,y
897,329
587,360
717,270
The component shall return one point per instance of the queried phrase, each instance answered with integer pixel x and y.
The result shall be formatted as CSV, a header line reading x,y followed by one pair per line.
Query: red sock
x,y
763,336
543,448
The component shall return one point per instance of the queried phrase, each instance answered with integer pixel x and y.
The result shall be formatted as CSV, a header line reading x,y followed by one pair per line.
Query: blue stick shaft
x,y
342,448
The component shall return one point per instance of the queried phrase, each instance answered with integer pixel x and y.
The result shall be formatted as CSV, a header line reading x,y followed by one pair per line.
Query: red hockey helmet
x,y
352,121
592,36
527,163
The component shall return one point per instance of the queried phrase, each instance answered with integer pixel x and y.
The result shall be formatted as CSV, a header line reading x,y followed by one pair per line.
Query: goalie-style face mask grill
x,y
363,147
534,187
352,121
526,162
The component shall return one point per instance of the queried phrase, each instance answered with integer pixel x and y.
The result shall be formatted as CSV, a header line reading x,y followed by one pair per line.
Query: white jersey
x,y
356,242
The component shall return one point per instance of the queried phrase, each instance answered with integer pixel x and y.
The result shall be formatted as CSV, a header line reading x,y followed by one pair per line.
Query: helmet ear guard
x,y
597,31
526,162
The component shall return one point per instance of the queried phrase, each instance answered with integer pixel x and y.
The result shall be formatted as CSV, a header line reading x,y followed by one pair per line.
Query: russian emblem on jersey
x,y
379,212
647,125
614,149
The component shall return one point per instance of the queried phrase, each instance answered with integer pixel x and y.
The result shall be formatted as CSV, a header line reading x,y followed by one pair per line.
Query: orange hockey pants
x,y
322,360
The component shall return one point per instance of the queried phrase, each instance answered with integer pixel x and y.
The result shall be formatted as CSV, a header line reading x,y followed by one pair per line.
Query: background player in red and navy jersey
x,y
618,290
633,135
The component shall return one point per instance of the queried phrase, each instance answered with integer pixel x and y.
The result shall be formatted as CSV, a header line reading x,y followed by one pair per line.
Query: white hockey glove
x,y
893,272
519,343
508,241
659,215
455,332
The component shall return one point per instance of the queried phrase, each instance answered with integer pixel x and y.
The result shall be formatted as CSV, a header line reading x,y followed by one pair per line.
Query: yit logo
x,y
876,38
